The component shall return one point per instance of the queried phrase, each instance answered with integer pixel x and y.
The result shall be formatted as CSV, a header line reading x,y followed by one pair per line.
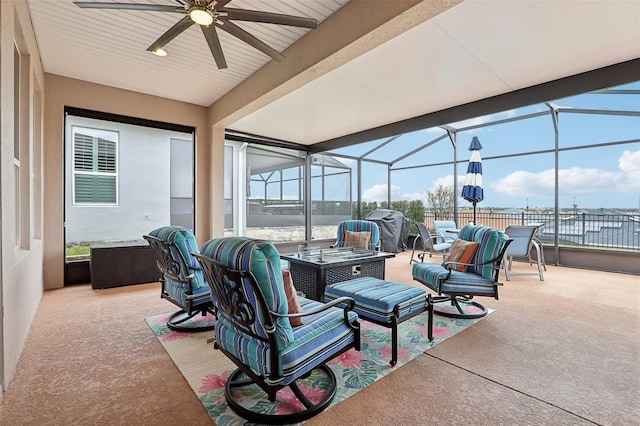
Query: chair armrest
x,y
451,262
350,304
470,264
443,238
494,260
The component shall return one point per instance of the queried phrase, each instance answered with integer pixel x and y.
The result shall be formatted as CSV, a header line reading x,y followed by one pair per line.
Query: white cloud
x,y
576,180
379,192
410,196
629,164
448,181
444,181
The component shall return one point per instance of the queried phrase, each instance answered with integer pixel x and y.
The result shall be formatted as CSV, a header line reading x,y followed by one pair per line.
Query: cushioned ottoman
x,y
383,303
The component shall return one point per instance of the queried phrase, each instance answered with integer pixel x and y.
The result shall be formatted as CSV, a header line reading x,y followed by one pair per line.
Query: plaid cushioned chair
x,y
182,281
254,331
358,226
480,278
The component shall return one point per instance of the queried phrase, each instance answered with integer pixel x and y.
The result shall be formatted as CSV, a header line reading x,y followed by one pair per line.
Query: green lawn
x,y
78,251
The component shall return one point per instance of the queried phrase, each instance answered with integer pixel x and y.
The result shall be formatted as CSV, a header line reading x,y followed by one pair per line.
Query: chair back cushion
x,y
183,243
261,259
441,227
491,246
357,226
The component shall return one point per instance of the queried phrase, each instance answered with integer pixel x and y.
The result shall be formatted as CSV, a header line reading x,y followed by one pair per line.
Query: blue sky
x,y
599,177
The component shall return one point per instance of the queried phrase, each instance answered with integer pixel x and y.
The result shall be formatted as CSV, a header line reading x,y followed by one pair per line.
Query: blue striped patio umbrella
x,y
472,189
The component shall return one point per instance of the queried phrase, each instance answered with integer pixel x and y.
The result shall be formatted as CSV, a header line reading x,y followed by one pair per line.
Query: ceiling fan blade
x,y
270,18
238,32
171,33
128,6
214,44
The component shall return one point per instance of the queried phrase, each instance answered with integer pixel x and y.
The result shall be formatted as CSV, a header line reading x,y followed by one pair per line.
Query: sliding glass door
x,y
123,180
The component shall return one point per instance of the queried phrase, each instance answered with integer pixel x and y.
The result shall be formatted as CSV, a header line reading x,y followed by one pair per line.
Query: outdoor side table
x,y
120,264
384,303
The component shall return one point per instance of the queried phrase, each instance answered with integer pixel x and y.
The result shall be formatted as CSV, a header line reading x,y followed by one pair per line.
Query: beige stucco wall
x,y
21,267
61,92
39,265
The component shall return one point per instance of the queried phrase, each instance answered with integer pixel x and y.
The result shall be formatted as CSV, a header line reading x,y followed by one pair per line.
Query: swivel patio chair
x,y
458,280
183,283
254,331
358,233
524,240
430,244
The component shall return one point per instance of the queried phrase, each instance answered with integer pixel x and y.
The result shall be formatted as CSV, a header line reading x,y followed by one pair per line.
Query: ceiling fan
x,y
210,14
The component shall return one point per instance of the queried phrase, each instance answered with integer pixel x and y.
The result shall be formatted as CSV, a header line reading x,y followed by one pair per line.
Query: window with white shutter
x,y
95,171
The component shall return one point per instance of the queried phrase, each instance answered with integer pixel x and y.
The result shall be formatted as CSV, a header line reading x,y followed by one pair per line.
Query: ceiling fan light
x,y
160,52
201,15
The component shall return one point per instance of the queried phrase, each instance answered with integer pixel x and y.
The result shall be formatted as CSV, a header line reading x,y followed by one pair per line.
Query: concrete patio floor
x,y
562,351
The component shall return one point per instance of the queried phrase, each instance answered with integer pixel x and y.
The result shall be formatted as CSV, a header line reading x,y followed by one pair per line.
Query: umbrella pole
x,y
474,213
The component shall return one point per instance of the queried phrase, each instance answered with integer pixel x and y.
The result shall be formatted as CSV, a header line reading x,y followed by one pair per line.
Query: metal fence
x,y
588,230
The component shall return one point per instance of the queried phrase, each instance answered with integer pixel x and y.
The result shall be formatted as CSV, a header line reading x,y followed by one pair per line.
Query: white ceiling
x,y
108,46
474,50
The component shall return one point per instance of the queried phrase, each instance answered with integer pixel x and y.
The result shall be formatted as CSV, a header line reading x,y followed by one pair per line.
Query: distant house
x,y
603,230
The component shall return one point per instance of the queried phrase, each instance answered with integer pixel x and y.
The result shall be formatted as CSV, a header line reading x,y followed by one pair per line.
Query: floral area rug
x,y
207,369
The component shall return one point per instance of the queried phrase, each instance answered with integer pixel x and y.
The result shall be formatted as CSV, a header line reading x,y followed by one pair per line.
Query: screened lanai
x,y
570,164
265,189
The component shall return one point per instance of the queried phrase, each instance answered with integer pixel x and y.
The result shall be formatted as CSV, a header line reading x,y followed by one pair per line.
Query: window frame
x,y
96,152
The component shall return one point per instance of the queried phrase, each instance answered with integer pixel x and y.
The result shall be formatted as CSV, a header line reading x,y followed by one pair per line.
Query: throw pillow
x,y
292,298
357,239
461,251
